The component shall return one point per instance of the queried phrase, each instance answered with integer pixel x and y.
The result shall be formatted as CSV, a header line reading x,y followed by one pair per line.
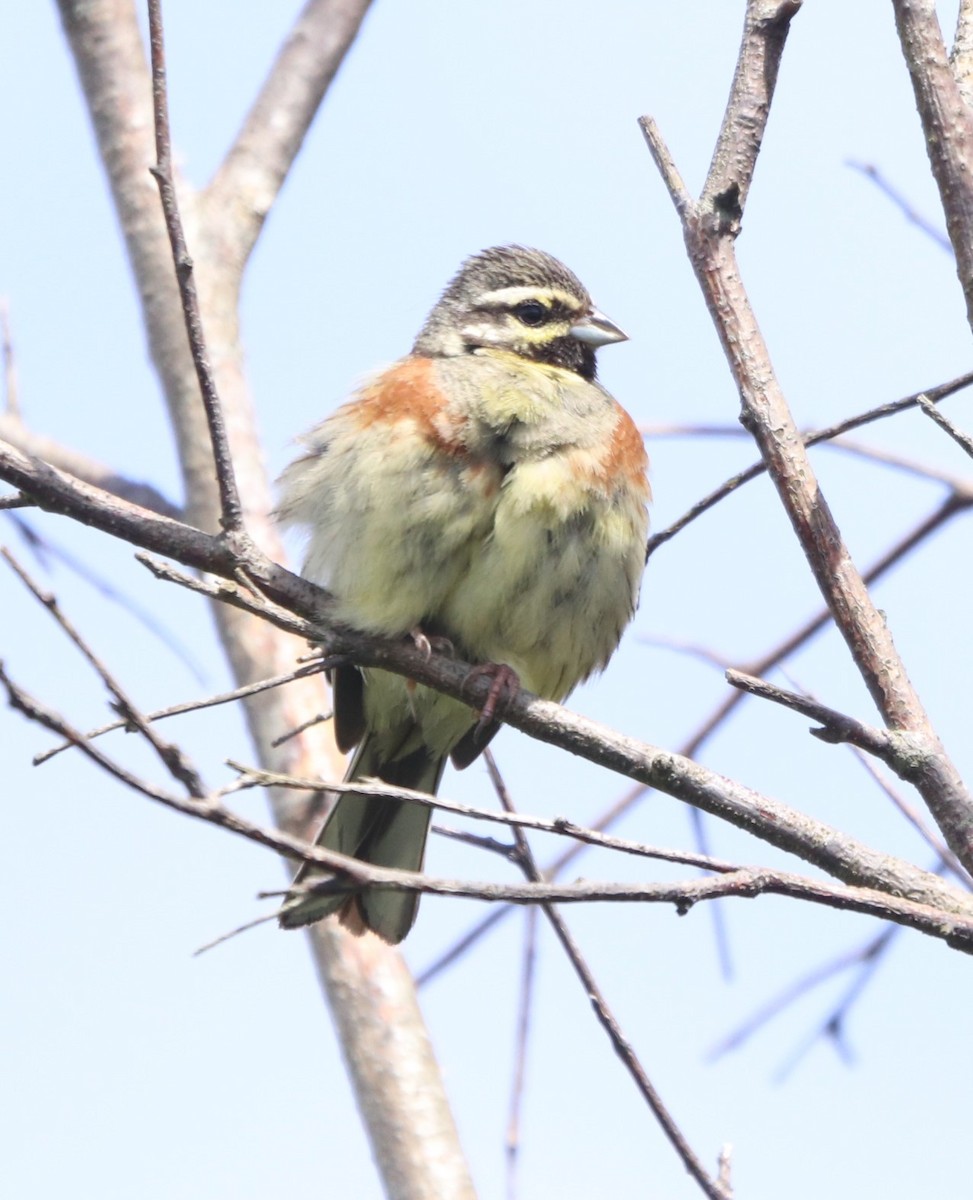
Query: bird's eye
x,y
531,312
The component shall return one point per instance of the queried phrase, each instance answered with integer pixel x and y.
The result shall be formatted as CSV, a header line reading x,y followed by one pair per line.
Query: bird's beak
x,y
596,330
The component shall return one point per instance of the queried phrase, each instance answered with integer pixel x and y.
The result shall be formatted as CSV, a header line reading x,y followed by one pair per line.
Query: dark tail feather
x,y
378,830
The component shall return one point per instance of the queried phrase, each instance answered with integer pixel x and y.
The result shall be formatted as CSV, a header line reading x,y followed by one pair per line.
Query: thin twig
x,y
251,175
561,826
833,1024
690,649
707,729
800,987
872,173
914,817
316,719
653,432
171,756
764,411
188,706
231,510
620,1044
505,850
959,437
528,974
829,433
47,549
835,726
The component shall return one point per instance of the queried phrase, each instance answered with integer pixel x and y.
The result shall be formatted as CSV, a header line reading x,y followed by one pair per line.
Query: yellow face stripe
x,y
511,296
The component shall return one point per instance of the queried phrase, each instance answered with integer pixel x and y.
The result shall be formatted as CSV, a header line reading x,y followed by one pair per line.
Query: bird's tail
x,y
378,830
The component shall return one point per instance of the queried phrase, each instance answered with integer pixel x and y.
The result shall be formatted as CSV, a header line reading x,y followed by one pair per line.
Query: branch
x,y
947,123
606,1018
744,121
255,777
836,853
870,171
188,706
869,953
709,232
947,859
254,169
368,985
961,55
835,726
811,439
169,754
959,437
231,512
81,466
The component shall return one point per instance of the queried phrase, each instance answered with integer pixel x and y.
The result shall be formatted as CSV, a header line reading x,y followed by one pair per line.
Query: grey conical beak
x,y
596,330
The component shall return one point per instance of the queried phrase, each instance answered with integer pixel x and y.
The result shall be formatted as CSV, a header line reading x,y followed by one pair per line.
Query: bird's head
x,y
522,301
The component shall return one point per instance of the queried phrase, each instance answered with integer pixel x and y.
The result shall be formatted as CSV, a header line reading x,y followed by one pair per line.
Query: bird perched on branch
x,y
486,490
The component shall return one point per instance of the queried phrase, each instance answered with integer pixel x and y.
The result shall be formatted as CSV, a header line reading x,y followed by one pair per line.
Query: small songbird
x,y
484,491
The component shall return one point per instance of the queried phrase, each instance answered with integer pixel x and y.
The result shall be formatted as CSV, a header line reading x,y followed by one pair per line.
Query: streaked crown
x,y
522,301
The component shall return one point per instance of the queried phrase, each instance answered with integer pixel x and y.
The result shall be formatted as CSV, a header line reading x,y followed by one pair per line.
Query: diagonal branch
x,y
709,230
930,395
839,855
372,996
606,1018
947,122
170,754
231,511
741,134
246,185
963,440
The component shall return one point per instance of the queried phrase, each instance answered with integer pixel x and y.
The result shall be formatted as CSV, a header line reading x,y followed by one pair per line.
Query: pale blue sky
x,y
130,1068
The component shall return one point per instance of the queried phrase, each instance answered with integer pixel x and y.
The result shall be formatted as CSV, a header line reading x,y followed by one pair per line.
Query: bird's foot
x,y
426,643
504,686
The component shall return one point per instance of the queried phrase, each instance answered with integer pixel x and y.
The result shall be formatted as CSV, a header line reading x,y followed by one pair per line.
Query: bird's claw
x,y
504,686
426,644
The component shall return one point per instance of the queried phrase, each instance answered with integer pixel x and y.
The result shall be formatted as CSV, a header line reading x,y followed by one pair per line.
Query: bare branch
x,y
172,757
870,171
947,123
246,185
524,1008
870,951
959,437
177,710
835,726
810,439
741,134
255,777
961,55
709,240
620,1044
83,467
231,512
914,817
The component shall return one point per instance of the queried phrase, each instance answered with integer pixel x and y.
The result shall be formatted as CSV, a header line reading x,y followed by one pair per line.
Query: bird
x,y
484,494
